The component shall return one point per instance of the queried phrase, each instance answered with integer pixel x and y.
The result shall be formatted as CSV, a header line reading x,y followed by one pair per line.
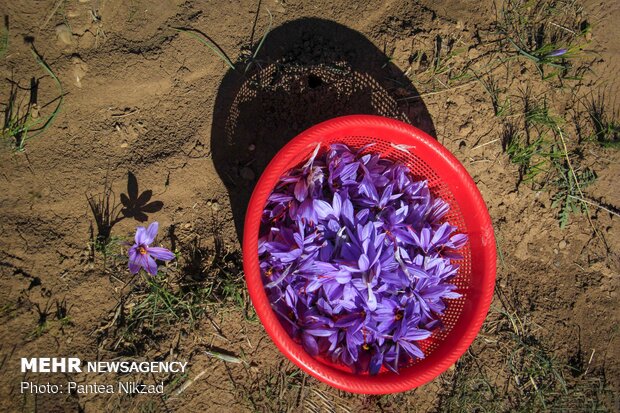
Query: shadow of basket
x,y
308,71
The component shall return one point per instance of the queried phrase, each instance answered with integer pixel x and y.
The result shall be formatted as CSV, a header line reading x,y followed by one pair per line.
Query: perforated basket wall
x,y
448,179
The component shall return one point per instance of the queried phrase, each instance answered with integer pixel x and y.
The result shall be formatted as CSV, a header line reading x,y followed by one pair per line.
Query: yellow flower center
x,y
142,250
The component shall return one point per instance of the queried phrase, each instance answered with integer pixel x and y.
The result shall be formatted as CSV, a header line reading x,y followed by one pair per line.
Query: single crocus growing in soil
x,y
142,255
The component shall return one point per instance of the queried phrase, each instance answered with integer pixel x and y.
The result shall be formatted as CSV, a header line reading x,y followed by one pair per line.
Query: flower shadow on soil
x,y
107,212
307,71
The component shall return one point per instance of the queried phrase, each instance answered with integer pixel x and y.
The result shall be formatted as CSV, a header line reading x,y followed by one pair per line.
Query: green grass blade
x,y
52,117
209,43
262,40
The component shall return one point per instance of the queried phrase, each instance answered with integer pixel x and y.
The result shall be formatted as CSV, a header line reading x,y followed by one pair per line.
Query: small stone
x,y
63,32
73,13
87,40
251,147
279,6
215,206
555,251
562,244
247,174
465,129
79,70
34,111
473,53
124,145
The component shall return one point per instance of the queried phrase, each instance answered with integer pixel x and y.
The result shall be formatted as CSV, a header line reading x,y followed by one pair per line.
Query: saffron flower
x,y
357,258
142,255
557,53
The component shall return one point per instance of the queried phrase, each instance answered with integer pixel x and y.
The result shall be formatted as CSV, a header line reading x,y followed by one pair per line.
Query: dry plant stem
x,y
49,16
189,383
485,144
594,204
421,95
123,115
209,43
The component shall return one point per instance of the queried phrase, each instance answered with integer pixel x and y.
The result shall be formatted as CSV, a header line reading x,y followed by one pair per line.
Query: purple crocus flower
x,y
556,53
357,258
142,255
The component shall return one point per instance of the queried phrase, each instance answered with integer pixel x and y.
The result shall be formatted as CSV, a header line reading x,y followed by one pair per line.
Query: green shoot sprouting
x,y
207,41
260,43
567,197
19,128
538,147
204,39
491,85
605,126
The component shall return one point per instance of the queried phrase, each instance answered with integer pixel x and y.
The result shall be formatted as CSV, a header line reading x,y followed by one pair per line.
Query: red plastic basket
x,y
448,179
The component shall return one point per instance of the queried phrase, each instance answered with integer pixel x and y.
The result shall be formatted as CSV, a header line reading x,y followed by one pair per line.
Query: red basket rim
x,y
477,221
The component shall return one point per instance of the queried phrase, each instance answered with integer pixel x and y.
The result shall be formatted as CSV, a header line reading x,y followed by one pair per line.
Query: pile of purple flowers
x,y
356,259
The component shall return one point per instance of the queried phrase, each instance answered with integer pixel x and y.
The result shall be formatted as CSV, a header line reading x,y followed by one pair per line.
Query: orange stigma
x,y
142,250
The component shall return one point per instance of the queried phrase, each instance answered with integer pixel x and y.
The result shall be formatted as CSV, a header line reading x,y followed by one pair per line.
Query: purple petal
x,y
458,240
323,209
411,349
134,262
413,334
279,197
149,264
347,211
337,204
317,332
141,236
363,262
349,172
438,210
151,233
372,300
160,253
290,297
301,190
376,362
441,233
425,238
556,53
310,344
452,294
